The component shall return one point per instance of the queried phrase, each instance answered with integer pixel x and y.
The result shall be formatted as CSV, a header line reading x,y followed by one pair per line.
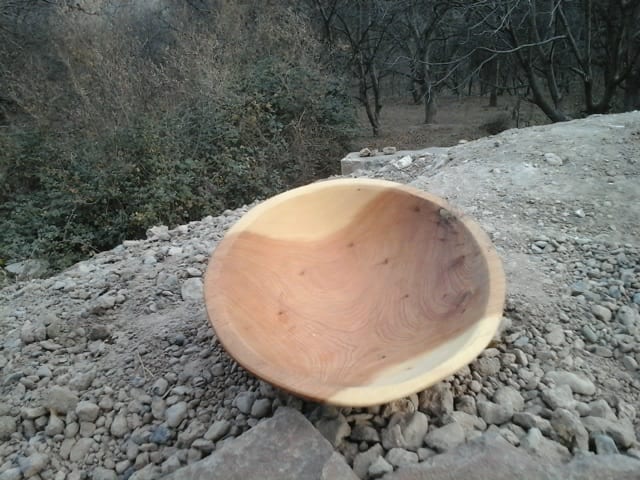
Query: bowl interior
x,y
347,285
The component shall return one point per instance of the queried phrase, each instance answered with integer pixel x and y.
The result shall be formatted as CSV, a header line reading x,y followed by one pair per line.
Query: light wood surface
x,y
354,291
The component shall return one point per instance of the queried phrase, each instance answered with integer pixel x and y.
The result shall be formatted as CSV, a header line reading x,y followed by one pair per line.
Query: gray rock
x,y
578,383
81,449
101,473
11,474
300,453
414,430
334,429
363,461
161,435
87,411
364,433
536,444
569,429
494,414
556,336
175,414
160,386
528,420
601,313
467,404
589,334
55,425
559,396
218,430
446,437
32,413
8,426
487,366
553,159
437,400
379,467
399,457
33,464
509,397
600,408
119,427
620,431
604,444
244,401
27,269
261,408
628,316
192,290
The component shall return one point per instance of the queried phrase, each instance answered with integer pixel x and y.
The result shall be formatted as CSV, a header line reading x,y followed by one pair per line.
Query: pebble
x,y
559,396
437,400
87,411
494,414
601,313
119,427
261,408
175,414
379,467
446,437
589,334
604,444
578,383
364,460
334,429
8,426
244,401
55,426
414,430
569,429
192,289
33,464
399,457
218,430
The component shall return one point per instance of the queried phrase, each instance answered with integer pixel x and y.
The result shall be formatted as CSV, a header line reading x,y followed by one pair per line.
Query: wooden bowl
x,y
354,292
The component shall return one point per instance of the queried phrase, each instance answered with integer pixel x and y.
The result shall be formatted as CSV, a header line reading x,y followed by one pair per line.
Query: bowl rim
x,y
474,339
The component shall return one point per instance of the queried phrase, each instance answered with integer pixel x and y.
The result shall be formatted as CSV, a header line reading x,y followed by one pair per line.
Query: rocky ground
x,y
110,369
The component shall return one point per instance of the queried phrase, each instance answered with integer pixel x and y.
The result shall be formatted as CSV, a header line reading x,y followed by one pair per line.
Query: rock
x,y
175,414
365,152
494,414
161,435
8,426
558,397
334,429
261,408
244,401
600,408
32,413
604,444
620,431
403,162
399,457
601,313
81,449
28,269
33,464
553,159
379,467
569,429
364,433
192,290
301,453
218,430
555,337
101,473
99,332
589,334
160,386
548,450
628,316
11,474
87,411
509,397
528,420
119,427
446,437
578,383
437,400
487,366
414,430
363,461
389,150
55,425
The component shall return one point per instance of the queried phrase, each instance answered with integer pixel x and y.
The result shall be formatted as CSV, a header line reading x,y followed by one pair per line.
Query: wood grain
x,y
360,290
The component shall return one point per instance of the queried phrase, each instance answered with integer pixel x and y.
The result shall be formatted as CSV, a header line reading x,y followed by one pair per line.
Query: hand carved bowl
x,y
354,292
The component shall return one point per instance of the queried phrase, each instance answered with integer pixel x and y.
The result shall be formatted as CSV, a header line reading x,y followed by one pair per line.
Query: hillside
x,y
110,369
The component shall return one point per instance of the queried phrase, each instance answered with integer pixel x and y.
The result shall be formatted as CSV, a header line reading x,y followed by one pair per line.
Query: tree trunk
x,y
632,92
430,107
493,79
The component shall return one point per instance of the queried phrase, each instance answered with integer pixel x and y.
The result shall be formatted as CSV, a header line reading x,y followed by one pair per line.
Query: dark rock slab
x,y
285,447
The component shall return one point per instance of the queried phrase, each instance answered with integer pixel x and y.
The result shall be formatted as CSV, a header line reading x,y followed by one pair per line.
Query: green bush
x,y
65,196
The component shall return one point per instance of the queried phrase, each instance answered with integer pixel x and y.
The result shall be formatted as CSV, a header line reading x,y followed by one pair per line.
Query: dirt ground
x,y
457,119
